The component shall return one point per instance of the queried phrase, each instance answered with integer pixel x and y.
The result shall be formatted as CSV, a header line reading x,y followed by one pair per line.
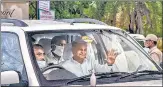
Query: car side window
x,y
11,58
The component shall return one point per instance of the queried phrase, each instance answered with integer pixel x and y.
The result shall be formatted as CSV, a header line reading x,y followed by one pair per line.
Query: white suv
x,y
139,38
19,66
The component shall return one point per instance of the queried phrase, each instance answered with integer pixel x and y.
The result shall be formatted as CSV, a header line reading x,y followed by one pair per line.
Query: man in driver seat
x,y
40,55
81,66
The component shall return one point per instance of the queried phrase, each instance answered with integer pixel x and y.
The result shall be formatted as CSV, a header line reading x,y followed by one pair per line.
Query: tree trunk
x,y
136,18
114,13
132,22
139,28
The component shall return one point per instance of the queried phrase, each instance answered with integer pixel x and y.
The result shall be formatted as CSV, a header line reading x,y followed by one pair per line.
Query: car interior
x,y
127,56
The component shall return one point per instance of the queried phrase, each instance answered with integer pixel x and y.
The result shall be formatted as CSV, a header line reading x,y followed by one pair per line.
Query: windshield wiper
x,y
138,73
98,76
110,74
83,78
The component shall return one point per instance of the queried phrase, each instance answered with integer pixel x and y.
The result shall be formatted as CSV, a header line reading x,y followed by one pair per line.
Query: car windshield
x,y
77,53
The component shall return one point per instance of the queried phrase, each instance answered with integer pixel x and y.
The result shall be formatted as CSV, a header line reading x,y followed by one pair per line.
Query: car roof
x,y
43,25
76,26
42,22
138,36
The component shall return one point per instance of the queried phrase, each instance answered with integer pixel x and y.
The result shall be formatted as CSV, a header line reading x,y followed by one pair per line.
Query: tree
x,y
137,17
32,10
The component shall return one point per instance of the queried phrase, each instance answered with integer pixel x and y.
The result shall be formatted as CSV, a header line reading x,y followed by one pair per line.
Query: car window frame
x,y
138,46
25,70
41,78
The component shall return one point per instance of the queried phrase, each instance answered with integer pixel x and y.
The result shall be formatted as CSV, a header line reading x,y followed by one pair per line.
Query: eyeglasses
x,y
61,44
39,54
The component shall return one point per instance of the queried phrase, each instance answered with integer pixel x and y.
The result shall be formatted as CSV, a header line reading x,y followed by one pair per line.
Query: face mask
x,y
59,50
41,64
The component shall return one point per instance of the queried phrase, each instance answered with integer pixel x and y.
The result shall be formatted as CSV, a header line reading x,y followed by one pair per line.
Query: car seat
x,y
133,60
67,54
46,43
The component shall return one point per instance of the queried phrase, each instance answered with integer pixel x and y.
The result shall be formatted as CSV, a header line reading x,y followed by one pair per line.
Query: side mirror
x,y
9,77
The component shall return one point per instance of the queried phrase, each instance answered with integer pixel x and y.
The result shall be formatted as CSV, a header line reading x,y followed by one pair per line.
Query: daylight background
x,y
134,17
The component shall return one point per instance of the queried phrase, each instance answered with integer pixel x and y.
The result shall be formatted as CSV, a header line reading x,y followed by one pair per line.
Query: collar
x,y
74,61
155,47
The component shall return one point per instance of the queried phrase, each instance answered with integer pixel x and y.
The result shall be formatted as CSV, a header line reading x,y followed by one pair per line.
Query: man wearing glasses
x,y
40,55
154,52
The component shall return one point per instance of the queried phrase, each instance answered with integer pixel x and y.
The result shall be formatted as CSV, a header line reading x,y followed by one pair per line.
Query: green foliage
x,y
155,8
114,13
32,10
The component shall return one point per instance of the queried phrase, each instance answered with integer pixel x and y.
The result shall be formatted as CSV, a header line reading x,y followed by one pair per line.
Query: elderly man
x,y
80,65
154,52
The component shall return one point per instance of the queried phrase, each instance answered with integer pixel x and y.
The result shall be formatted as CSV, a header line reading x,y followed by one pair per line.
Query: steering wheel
x,y
60,73
51,67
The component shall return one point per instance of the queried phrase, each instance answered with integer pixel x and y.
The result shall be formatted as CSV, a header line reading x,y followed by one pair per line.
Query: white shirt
x,y
51,59
86,67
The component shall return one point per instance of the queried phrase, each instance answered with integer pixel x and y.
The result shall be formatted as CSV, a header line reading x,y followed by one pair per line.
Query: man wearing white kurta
x,y
81,66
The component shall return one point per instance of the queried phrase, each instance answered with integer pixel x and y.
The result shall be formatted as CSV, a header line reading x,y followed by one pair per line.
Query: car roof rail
x,y
15,22
82,20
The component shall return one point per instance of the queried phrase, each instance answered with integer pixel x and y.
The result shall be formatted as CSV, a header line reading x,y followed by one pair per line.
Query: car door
x,y
15,56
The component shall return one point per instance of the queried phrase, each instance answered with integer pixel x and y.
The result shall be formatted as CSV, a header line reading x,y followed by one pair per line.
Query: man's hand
x,y
111,56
